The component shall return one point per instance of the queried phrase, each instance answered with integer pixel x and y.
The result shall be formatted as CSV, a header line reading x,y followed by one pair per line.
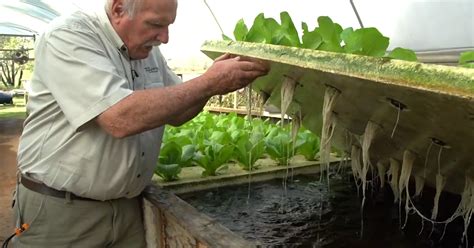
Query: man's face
x,y
148,28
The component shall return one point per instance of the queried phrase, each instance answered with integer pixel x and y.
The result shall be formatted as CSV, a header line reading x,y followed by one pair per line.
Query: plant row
x,y
212,141
326,36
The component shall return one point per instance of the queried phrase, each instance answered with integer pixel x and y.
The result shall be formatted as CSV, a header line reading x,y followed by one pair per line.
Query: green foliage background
x,y
16,43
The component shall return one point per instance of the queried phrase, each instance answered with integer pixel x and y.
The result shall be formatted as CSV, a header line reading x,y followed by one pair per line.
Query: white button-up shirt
x,y
82,68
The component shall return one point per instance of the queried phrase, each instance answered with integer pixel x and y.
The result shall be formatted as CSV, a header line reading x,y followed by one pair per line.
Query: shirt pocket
x,y
154,81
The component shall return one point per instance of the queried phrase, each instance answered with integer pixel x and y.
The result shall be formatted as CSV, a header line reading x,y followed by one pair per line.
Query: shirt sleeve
x,y
81,76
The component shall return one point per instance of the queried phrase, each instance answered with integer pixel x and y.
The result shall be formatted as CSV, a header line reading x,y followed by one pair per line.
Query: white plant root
x,y
393,175
287,91
329,125
381,170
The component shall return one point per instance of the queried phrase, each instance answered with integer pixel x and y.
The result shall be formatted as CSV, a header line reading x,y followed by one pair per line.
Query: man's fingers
x,y
252,75
250,59
235,71
261,64
246,63
253,66
223,57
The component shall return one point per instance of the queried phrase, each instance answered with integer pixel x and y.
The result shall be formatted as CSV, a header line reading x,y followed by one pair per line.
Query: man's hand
x,y
229,73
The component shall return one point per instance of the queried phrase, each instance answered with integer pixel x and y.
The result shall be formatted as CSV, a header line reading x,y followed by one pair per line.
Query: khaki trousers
x,y
56,222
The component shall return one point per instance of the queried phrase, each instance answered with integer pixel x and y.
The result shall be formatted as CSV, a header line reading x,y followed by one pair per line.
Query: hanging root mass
x,y
398,178
329,125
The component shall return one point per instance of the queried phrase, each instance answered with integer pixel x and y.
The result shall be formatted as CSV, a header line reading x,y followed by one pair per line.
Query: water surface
x,y
307,214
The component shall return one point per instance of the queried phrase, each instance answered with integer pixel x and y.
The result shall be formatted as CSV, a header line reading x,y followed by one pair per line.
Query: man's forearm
x,y
187,115
147,109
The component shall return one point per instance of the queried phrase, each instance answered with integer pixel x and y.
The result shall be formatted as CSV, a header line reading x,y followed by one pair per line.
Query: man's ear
x,y
117,9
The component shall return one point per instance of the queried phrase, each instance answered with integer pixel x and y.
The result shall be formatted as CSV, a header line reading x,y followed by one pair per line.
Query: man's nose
x,y
163,36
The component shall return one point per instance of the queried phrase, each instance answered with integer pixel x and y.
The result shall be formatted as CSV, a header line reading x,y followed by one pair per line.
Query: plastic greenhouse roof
x,y
25,17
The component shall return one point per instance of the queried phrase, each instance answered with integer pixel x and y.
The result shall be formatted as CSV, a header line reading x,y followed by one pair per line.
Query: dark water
x,y
308,215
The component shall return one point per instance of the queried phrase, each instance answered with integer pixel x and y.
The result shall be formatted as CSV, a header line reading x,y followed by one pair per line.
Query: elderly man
x,y
101,95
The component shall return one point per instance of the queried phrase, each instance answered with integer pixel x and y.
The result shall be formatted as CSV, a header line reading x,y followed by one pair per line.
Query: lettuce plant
x,y
216,151
213,157
249,148
175,153
168,172
168,166
279,145
307,144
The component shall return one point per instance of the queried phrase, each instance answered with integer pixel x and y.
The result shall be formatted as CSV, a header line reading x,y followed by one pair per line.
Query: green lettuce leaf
x,y
240,30
403,54
311,39
366,41
168,172
467,59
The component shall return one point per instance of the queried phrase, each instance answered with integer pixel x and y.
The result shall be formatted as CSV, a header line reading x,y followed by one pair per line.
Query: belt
x,y
45,190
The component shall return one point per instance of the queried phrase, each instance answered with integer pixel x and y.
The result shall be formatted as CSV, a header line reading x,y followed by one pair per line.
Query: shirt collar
x,y
110,32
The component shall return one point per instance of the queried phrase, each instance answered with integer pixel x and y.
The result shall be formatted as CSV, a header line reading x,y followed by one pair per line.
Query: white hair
x,y
129,6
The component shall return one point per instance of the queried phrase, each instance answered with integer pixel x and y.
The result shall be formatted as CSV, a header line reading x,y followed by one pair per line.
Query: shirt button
x,y
139,175
143,154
